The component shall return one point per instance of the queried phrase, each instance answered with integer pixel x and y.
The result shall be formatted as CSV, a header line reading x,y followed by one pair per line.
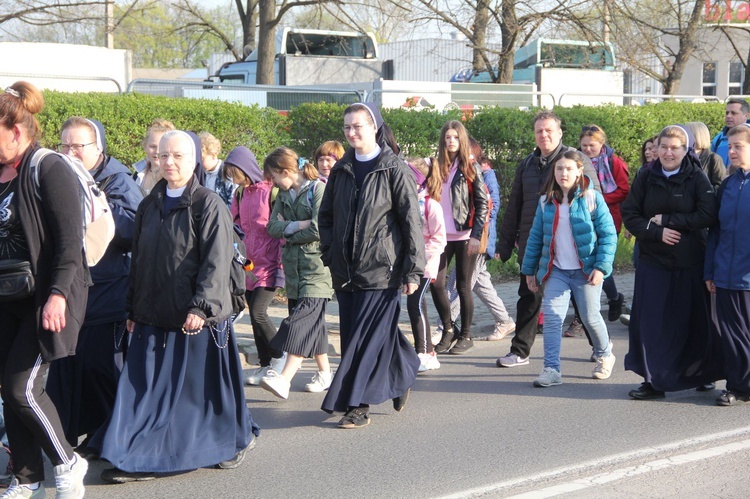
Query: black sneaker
x,y
615,308
463,345
355,418
447,341
235,462
116,475
400,402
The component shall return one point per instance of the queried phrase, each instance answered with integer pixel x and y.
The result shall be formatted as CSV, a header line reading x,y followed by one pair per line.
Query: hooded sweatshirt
x,y
251,210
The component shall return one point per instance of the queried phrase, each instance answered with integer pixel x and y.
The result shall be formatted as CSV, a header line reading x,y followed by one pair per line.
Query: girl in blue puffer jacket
x,y
571,248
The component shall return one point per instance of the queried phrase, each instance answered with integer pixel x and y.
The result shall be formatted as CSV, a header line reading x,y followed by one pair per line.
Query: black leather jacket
x,y
371,238
461,202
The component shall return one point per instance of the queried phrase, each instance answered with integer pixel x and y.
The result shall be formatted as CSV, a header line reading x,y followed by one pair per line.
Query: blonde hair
x,y
700,134
159,125
19,105
209,144
283,158
595,132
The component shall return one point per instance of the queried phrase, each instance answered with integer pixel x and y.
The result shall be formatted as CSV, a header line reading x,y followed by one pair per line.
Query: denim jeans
x,y
557,289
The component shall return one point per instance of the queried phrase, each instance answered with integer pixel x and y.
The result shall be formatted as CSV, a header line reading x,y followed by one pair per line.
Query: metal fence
x,y
278,97
63,78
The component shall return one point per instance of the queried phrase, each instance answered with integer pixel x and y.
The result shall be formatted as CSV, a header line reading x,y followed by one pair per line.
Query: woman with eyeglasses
x,y
83,387
613,177
669,208
371,240
180,400
41,239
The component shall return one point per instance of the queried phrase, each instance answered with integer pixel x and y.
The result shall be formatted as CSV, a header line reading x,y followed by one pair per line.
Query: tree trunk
x,y
266,41
247,17
479,40
746,80
508,37
687,47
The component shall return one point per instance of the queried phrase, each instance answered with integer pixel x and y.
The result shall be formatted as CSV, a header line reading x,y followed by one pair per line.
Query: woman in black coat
x,y
180,400
371,239
41,224
668,210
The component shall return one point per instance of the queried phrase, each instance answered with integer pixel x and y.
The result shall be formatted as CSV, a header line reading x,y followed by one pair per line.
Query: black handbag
x,y
16,280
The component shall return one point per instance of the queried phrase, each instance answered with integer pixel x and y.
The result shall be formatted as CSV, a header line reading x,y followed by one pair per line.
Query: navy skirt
x,y
377,361
83,386
304,332
733,315
180,402
673,344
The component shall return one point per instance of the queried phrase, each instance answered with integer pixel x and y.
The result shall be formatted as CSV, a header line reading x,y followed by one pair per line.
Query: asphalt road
x,y
471,429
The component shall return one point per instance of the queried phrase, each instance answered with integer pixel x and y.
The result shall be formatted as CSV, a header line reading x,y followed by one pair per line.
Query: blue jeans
x,y
557,289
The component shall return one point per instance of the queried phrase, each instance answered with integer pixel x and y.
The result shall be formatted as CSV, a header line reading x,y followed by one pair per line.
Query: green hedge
x,y
126,118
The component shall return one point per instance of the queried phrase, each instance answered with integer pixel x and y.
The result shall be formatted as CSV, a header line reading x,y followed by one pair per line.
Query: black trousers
x,y
527,316
420,323
464,268
258,301
31,419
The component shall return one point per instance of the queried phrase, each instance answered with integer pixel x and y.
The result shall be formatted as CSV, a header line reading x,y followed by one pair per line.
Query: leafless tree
x,y
733,33
665,30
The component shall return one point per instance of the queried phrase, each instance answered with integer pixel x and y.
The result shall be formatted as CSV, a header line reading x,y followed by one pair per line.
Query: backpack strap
x,y
36,160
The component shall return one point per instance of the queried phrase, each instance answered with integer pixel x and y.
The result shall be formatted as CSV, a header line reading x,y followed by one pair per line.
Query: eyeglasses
x,y
77,148
347,129
590,128
177,156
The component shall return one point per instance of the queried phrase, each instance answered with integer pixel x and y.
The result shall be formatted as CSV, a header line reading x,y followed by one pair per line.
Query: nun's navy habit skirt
x,y
673,344
377,361
180,402
733,314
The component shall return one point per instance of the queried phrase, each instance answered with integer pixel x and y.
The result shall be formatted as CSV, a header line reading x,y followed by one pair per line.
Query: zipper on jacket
x,y
736,217
355,193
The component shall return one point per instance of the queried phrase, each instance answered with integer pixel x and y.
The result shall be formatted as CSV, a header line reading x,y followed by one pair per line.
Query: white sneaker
x,y
549,377
437,335
17,491
512,360
278,364
69,478
320,382
603,369
276,384
502,329
428,362
254,379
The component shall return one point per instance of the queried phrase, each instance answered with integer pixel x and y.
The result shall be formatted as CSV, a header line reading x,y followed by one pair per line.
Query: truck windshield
x,y
315,44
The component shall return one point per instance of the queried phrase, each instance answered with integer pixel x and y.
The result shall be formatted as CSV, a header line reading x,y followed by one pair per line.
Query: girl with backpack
x,y
464,203
251,210
308,283
570,249
429,188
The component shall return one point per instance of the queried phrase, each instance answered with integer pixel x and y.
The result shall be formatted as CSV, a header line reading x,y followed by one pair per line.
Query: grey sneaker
x,y
18,491
549,377
254,379
69,478
512,360
603,369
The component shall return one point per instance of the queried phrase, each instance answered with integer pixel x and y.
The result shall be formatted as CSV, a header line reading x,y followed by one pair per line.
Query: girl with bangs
x,y
571,248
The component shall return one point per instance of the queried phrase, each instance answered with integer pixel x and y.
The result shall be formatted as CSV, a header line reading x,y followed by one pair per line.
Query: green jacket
x,y
306,276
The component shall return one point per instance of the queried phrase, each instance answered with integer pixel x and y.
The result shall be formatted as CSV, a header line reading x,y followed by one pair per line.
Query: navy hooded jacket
x,y
107,296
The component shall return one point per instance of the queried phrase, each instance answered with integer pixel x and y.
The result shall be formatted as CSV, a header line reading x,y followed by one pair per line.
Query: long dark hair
x,y
553,190
465,164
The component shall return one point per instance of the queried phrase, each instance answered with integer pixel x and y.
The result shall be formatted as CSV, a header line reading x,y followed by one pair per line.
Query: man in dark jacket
x,y
531,175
